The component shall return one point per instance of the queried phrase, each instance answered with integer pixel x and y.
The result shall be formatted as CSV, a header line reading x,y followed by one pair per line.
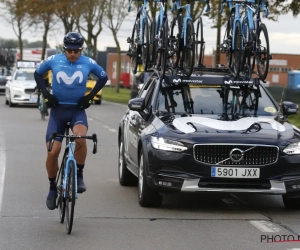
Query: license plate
x,y
33,98
225,172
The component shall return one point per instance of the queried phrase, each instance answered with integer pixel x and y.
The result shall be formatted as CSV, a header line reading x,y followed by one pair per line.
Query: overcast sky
x,y
284,35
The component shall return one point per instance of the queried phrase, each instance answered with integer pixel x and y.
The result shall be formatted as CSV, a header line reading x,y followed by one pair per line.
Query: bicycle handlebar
x,y
72,139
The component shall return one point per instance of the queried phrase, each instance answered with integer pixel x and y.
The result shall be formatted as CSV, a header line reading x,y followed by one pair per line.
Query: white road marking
x,y
112,130
293,249
265,226
2,168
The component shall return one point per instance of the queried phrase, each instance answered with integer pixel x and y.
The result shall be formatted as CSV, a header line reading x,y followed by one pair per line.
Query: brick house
x,y
279,67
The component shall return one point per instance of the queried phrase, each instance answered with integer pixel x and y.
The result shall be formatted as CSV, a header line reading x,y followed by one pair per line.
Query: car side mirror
x,y
137,104
289,108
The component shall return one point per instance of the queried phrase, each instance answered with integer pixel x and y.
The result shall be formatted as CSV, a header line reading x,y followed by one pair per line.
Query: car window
x,y
148,97
143,91
202,99
24,75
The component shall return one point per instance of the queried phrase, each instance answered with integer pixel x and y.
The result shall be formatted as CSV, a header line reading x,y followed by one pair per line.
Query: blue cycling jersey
x,y
69,79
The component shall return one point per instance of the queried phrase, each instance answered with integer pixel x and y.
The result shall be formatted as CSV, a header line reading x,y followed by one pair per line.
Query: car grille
x,y
220,154
29,91
234,183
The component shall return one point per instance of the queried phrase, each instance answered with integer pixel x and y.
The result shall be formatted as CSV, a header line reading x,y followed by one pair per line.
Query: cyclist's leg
x,y
55,124
79,126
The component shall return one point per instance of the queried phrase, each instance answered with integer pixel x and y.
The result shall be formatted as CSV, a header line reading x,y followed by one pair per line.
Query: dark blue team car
x,y
208,132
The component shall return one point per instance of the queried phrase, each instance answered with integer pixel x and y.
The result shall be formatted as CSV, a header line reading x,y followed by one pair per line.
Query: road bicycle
x,y
42,107
139,42
256,40
243,38
67,176
182,41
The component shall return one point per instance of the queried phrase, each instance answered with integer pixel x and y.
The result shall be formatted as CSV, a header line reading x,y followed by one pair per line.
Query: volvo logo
x,y
236,155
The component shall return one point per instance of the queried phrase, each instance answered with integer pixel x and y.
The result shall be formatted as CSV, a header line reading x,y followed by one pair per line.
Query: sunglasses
x,y
75,51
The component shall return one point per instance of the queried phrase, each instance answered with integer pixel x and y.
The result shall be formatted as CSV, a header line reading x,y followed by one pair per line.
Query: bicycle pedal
x,y
129,40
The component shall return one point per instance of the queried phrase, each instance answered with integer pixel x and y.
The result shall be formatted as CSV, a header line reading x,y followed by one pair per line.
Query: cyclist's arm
x,y
102,79
39,75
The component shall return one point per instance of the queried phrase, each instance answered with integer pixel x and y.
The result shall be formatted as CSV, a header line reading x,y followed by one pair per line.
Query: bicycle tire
x,y
177,22
158,38
145,45
165,49
200,47
188,54
265,51
133,48
237,53
228,35
247,51
71,196
61,201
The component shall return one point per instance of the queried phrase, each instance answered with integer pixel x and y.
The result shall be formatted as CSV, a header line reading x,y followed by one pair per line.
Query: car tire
x,y
6,102
147,197
291,203
126,178
98,101
10,103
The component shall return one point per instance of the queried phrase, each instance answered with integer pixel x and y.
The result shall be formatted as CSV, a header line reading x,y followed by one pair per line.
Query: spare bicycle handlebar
x,y
72,139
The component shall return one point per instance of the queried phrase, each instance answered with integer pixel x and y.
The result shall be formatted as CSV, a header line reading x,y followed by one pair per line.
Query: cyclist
x,y
68,103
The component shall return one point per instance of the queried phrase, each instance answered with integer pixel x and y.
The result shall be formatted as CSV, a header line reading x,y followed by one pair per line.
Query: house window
x,y
114,73
123,67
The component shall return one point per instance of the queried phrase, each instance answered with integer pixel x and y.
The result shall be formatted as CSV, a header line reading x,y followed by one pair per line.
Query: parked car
x,y
3,81
20,88
211,133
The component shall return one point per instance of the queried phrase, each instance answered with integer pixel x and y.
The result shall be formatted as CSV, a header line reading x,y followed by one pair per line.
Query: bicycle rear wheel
x,y
237,53
70,197
134,47
189,49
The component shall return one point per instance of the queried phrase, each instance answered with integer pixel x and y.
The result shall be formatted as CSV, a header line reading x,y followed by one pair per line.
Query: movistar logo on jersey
x,y
68,80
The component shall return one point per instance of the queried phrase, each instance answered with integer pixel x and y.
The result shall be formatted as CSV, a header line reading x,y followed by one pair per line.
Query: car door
x,y
139,122
130,140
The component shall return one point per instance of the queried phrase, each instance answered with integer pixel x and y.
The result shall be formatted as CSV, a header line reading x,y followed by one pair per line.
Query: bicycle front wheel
x,y
200,44
189,49
146,44
262,52
70,197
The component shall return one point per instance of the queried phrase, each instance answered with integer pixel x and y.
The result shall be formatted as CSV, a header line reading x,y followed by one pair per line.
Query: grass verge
x,y
109,94
295,120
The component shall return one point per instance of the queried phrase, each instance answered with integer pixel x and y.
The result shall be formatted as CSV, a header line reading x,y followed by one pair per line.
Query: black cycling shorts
x,y
60,116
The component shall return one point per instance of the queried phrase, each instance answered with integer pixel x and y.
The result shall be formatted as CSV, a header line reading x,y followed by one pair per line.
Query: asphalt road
x,y
108,216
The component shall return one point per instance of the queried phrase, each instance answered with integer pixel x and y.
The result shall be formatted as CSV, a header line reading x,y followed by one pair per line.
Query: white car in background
x,y
20,88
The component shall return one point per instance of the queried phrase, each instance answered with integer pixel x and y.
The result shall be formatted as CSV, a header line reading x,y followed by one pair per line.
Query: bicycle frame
x,y
70,158
162,16
177,6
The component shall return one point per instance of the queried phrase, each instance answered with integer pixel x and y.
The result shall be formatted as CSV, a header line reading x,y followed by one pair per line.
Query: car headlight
x,y
17,88
167,145
292,149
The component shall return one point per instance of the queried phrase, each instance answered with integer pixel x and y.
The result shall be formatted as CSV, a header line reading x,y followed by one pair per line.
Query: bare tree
x,y
17,15
90,21
43,11
116,12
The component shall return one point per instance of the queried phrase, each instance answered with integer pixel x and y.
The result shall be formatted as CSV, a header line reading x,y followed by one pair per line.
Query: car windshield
x,y
217,99
24,75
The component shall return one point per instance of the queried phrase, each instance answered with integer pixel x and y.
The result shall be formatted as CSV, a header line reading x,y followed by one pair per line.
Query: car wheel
x,y
147,196
126,178
291,203
10,103
98,101
6,102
